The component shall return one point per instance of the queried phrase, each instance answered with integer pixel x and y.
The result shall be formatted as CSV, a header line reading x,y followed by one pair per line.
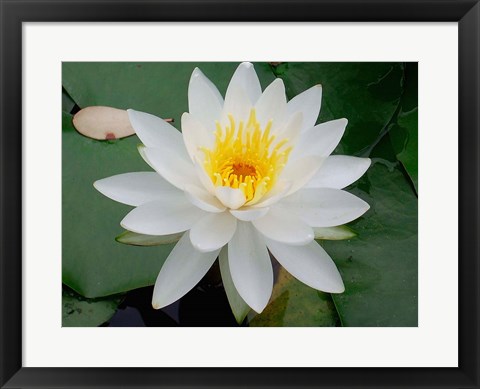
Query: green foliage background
x,y
379,266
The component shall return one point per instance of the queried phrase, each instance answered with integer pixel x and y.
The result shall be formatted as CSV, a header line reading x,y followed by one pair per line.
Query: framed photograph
x,y
239,194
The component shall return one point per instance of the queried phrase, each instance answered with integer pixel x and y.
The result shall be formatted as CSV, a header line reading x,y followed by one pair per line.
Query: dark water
x,y
204,306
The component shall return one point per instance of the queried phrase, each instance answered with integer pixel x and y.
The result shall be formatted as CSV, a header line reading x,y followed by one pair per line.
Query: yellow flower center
x,y
246,157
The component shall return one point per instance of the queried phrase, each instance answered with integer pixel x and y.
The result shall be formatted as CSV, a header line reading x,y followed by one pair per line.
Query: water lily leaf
x,y
294,304
77,311
367,94
159,88
380,266
404,134
103,123
334,233
135,239
407,128
93,263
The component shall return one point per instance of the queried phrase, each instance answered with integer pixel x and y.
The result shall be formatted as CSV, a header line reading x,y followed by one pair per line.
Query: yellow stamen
x,y
246,157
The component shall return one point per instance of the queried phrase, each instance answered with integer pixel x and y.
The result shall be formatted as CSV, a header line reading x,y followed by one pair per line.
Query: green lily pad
x,y
407,125
367,94
93,263
78,311
404,135
294,304
159,88
380,266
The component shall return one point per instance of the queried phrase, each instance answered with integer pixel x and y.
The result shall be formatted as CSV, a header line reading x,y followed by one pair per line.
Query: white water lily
x,y
248,175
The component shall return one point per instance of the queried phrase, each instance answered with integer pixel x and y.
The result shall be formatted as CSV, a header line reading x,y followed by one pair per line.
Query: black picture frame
x,y
15,12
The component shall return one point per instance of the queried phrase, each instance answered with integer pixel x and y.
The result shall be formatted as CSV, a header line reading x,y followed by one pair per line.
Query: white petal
x,y
272,105
284,227
280,190
213,231
291,131
136,188
176,168
339,171
202,199
154,131
182,270
239,307
310,264
195,135
324,207
250,266
320,140
204,177
162,218
236,104
231,198
246,77
204,99
301,171
248,214
307,102
141,150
